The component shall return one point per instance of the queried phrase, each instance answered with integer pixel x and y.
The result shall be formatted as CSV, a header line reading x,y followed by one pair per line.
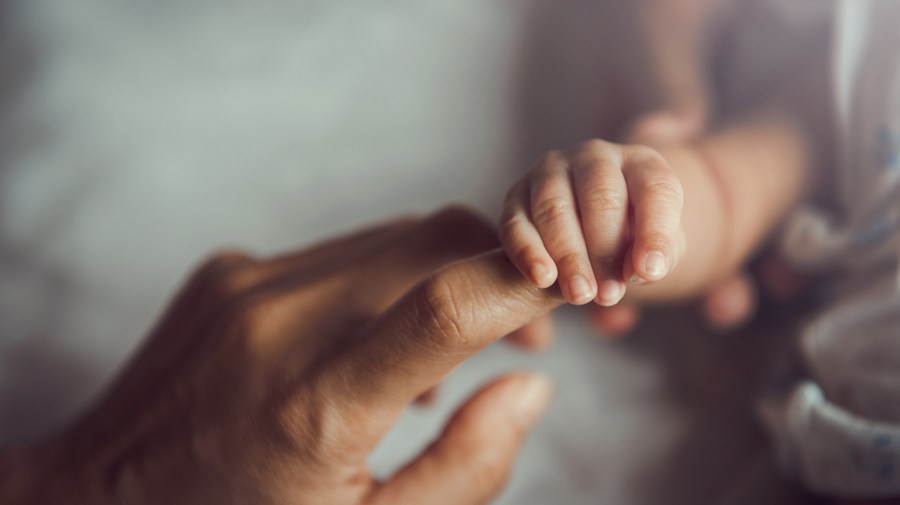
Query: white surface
x,y
139,136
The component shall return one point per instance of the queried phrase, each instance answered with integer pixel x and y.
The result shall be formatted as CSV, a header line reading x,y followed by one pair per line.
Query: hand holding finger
x,y
444,320
521,239
295,345
603,204
554,211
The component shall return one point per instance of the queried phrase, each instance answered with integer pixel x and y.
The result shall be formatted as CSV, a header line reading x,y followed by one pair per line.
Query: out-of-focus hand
x,y
670,80
667,69
726,306
271,381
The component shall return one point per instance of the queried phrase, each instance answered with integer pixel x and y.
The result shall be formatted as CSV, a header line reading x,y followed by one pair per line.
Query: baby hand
x,y
594,217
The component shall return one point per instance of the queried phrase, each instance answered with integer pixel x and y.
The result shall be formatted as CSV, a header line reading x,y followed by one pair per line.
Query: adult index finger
x,y
437,325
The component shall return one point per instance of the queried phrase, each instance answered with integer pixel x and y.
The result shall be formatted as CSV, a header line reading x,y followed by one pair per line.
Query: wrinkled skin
x,y
271,381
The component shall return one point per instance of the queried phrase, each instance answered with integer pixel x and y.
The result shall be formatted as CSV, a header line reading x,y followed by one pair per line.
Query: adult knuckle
x,y
225,274
296,421
222,261
441,314
310,420
250,318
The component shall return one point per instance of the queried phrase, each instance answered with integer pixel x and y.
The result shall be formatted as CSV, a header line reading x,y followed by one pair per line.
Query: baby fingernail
x,y
635,279
610,293
580,290
541,275
655,265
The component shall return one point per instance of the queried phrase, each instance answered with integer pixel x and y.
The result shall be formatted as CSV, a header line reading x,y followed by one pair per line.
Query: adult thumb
x,y
470,462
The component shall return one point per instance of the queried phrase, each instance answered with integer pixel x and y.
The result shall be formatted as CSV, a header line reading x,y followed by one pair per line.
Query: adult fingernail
x,y
610,293
580,290
531,400
541,275
655,265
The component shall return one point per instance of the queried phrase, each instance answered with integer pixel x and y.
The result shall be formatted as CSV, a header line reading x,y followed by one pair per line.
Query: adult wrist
x,y
37,474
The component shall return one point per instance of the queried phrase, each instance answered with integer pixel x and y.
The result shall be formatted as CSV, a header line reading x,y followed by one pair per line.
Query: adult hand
x,y
271,381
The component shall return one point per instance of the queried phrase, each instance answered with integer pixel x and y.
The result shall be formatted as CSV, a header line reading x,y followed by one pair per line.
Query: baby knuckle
x,y
512,196
604,200
552,209
658,238
523,255
571,260
546,160
595,172
665,189
644,154
592,147
511,224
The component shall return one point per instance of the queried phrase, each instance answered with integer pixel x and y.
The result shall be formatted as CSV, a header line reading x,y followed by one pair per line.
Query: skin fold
x,y
270,381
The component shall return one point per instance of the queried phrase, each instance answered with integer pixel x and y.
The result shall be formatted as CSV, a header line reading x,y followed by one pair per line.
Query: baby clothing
x,y
838,429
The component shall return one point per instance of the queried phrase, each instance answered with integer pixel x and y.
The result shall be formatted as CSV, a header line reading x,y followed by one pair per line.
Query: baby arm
x,y
739,183
601,217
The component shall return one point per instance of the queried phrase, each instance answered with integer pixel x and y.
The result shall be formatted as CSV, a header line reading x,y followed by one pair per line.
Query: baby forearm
x,y
742,180
738,183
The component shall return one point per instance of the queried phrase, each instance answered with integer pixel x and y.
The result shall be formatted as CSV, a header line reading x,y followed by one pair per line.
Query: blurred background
x,y
137,137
